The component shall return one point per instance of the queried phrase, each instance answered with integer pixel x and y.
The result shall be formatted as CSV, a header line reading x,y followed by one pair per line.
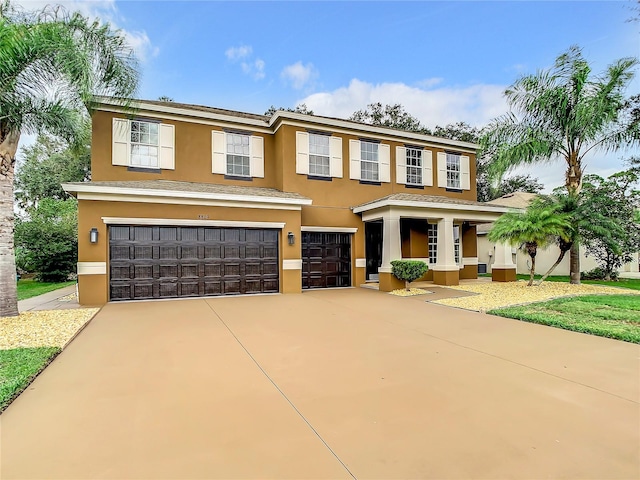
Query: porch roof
x,y
431,202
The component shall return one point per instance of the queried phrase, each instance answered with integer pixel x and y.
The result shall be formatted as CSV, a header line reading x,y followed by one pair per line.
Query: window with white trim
x,y
238,159
453,170
414,166
369,166
319,152
144,144
456,243
432,235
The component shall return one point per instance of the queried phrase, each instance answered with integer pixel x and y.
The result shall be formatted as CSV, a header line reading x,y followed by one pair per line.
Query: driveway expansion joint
x,y
284,396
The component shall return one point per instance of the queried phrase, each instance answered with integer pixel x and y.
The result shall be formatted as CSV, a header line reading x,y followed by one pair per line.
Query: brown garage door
x,y
326,260
165,262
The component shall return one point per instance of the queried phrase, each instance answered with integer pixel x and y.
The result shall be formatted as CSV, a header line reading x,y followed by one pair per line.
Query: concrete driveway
x,y
327,384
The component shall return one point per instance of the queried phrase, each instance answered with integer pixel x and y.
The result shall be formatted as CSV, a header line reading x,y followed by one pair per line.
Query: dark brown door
x,y
164,262
326,260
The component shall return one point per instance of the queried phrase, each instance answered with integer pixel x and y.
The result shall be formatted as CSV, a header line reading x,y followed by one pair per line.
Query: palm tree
x,y
536,227
584,219
564,113
51,66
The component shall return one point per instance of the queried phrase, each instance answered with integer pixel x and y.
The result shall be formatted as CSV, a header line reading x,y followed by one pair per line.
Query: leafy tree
x,y
563,113
617,199
392,116
585,221
46,164
51,66
461,131
164,98
302,108
408,270
49,239
536,227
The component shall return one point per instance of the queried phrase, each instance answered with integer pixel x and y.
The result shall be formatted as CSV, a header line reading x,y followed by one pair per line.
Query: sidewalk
x,y
61,299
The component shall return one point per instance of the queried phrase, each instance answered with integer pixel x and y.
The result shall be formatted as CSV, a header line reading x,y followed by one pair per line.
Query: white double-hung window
x,y
369,166
369,161
454,171
237,154
238,159
319,155
144,144
414,166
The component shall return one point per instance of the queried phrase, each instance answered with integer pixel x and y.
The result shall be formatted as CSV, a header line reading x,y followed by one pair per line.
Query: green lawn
x,y
631,283
18,368
612,316
28,288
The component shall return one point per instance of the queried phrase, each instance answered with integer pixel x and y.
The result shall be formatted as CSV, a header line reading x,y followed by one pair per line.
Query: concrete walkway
x,y
347,383
50,301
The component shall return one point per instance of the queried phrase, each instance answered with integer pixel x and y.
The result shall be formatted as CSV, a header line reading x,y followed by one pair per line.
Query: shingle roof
x,y
515,199
208,188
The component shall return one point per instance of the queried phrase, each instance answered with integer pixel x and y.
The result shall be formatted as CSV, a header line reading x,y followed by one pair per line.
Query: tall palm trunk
x,y
564,248
574,261
8,288
532,250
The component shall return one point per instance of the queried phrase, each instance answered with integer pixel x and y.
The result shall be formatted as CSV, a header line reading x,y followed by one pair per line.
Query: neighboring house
x,y
188,200
545,257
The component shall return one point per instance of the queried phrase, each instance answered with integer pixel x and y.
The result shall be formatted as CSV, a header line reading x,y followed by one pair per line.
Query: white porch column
x,y
445,254
503,257
391,242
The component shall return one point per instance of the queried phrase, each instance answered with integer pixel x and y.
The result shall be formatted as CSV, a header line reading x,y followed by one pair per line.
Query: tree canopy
x,y
302,108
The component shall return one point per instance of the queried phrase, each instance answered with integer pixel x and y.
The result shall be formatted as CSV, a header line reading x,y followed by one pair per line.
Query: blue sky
x,y
444,61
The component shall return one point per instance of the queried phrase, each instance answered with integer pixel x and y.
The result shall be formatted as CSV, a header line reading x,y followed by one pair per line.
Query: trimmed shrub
x,y
408,270
598,274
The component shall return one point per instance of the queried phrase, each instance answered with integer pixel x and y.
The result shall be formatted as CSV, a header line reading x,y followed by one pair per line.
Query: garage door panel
x,y
156,262
326,260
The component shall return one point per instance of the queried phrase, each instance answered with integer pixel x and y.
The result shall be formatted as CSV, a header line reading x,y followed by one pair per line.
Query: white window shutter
x,y
257,156
427,168
121,137
219,156
384,158
167,147
401,165
442,169
302,153
465,173
354,159
335,159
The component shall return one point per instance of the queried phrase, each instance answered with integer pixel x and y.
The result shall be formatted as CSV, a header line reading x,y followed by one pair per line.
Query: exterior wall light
x,y
291,237
93,235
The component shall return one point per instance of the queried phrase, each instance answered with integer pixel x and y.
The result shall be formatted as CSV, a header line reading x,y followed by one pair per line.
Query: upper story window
x,y
238,160
369,167
453,171
237,154
414,166
143,144
319,155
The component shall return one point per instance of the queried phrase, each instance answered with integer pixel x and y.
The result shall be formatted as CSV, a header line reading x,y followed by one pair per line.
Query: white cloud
x,y
299,75
249,66
236,53
429,82
106,12
475,104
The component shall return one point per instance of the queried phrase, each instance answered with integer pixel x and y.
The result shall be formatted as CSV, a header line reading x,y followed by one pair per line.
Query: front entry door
x,y
373,248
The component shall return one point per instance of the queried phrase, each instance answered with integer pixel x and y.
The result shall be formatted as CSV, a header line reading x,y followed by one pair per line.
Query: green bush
x,y
408,270
598,274
47,242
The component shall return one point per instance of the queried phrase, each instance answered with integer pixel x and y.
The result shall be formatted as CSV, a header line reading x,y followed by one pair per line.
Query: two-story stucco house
x,y
188,201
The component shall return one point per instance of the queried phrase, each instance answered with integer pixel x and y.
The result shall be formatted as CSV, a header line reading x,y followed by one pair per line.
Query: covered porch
x,y
437,230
